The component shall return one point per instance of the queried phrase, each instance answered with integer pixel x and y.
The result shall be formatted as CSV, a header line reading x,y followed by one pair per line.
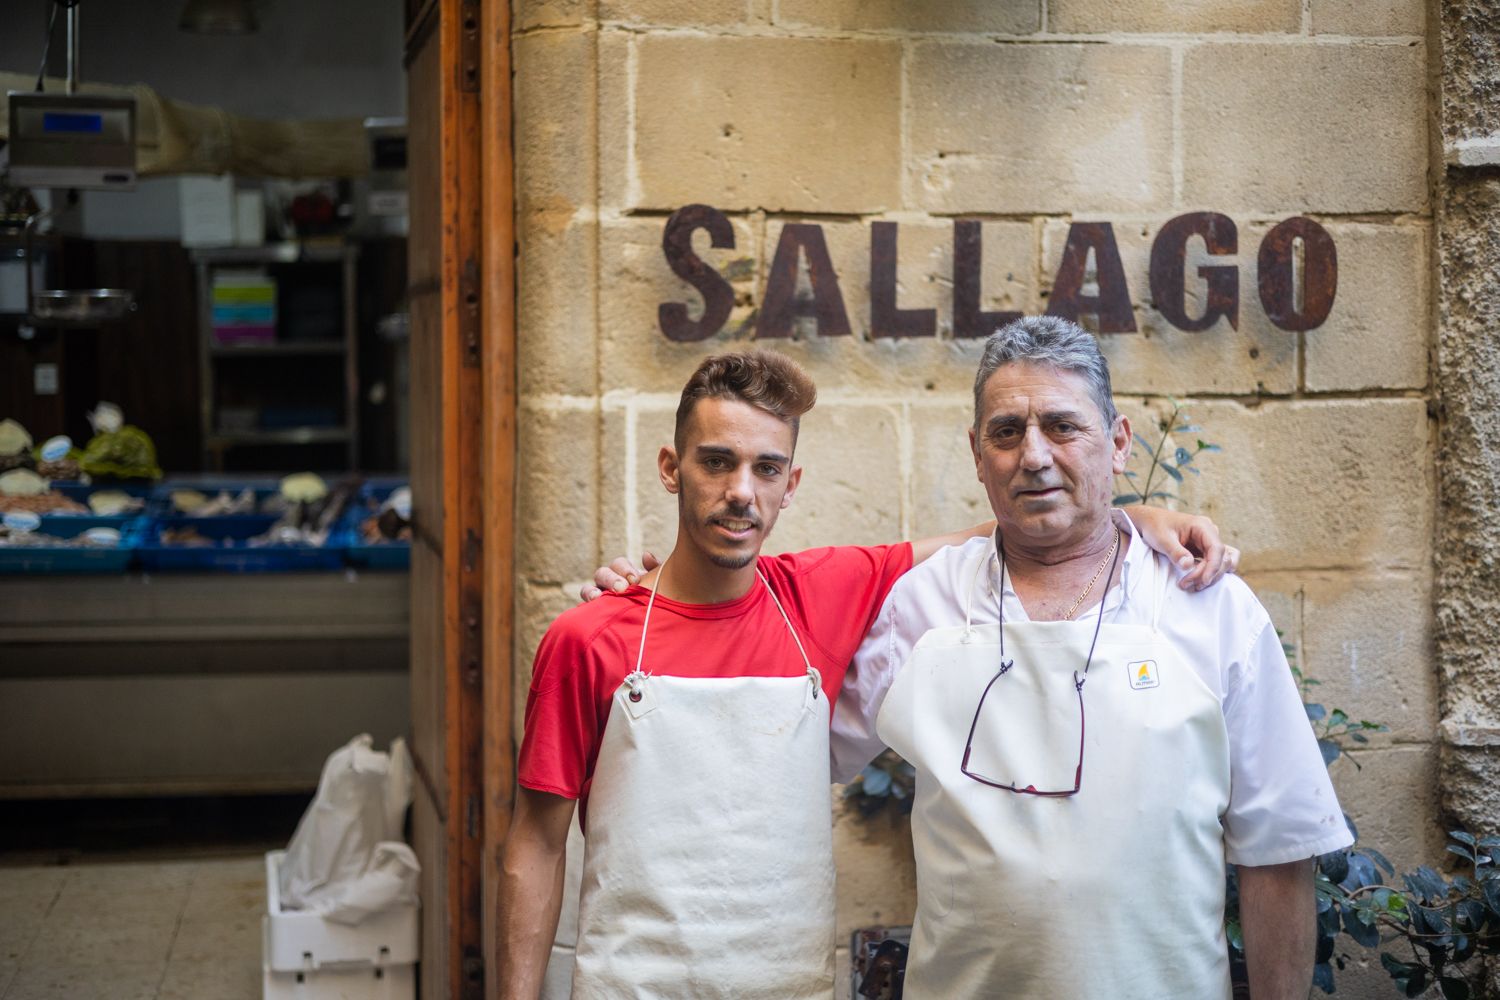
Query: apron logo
x,y
1143,674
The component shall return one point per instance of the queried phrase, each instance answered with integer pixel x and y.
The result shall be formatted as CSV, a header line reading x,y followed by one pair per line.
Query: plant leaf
x,y
1453,988
1170,470
1330,751
1323,977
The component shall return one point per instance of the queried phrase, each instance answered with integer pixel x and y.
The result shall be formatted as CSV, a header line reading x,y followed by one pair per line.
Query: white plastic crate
x,y
309,958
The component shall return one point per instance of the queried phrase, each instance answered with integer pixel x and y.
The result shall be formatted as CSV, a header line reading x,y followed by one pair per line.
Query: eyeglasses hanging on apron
x,y
1132,864
1112,558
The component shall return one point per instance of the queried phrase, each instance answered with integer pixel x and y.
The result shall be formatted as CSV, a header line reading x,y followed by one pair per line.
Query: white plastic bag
x,y
346,860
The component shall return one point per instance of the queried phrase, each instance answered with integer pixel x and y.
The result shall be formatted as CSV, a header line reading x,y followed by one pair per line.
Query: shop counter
x,y
189,683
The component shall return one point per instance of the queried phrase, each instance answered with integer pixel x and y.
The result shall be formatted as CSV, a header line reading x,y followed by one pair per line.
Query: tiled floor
x,y
133,930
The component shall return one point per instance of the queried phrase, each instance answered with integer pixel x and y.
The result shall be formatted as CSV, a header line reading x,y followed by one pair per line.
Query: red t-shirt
x,y
831,595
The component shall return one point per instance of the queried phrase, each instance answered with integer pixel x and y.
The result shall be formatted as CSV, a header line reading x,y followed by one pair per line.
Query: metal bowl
x,y
81,306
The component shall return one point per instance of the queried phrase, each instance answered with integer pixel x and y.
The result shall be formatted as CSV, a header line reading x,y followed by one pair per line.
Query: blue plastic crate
x,y
160,504
376,555
67,559
232,554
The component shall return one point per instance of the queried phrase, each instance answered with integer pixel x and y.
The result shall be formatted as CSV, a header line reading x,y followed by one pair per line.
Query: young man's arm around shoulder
x,y
531,890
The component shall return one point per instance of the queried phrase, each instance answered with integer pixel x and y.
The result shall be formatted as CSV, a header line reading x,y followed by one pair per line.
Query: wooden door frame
x,y
478,442
498,300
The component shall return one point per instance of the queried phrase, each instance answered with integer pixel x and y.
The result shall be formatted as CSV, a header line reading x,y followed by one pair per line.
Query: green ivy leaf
x,y
1330,751
1453,988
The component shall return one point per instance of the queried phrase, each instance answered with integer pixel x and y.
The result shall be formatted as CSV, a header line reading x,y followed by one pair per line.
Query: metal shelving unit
x,y
216,362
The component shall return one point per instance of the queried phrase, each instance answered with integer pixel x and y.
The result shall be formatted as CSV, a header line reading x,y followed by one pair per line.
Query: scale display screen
x,y
72,123
71,140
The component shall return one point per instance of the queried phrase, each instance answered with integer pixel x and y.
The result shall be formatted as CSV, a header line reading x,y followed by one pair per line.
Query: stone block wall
x,y
1028,115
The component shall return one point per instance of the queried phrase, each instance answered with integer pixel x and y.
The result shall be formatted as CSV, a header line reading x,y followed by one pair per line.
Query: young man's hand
x,y
1191,541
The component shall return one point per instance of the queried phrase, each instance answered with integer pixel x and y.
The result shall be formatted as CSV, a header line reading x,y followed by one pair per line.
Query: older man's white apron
x,y
708,870
1114,893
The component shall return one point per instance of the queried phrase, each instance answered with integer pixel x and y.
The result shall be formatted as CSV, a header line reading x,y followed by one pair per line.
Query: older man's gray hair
x,y
1047,340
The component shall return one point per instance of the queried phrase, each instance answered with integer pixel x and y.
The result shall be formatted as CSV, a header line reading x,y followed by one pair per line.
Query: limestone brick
x,y
557,493
1471,787
635,279
774,123
1392,798
1183,16
554,116
1038,128
945,492
1009,17
1367,637
530,14
675,13
877,877
1377,335
1307,485
923,366
615,51
654,524
556,297
1368,17
1329,128
851,483
1162,359
536,607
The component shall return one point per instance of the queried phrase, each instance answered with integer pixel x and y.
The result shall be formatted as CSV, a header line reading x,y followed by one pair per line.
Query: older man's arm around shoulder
x,y
531,890
1278,916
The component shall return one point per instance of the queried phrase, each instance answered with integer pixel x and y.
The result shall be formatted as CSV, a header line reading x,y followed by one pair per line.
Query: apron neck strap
x,y
638,675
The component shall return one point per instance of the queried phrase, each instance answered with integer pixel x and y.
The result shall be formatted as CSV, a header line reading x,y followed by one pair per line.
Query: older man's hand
x,y
618,576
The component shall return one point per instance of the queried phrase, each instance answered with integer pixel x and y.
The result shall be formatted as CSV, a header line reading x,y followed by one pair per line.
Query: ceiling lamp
x,y
218,17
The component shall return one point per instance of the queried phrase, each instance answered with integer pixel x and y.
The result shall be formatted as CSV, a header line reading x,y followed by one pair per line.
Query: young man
x,y
690,715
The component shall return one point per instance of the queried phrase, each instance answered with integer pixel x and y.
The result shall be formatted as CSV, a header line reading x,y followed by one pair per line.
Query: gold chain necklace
x,y
1089,589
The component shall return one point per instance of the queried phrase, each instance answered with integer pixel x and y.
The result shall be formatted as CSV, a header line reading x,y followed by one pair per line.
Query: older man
x,y
1091,742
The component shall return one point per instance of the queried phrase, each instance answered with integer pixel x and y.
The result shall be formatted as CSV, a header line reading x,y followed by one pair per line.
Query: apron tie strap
x,y
812,670
968,635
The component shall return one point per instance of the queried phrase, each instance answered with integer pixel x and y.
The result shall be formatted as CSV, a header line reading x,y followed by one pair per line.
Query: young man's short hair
x,y
765,380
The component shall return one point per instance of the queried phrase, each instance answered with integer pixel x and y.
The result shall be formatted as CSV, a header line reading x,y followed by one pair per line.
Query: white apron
x,y
1114,893
708,866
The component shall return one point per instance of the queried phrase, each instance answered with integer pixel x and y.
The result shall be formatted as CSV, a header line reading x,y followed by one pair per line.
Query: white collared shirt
x,y
1282,806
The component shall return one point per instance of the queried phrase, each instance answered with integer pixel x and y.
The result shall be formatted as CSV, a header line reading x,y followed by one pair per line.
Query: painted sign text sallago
x,y
1297,278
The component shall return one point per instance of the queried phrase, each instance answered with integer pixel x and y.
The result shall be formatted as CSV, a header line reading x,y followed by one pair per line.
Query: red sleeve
x,y
563,728
838,591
